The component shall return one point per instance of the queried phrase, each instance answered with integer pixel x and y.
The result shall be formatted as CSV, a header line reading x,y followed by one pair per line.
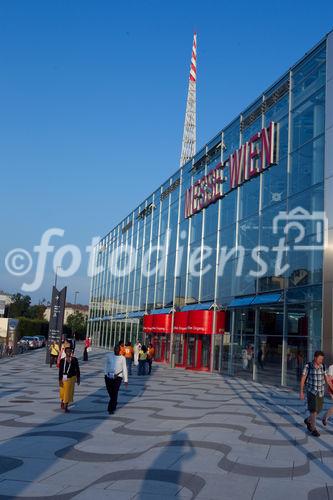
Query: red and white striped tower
x,y
190,131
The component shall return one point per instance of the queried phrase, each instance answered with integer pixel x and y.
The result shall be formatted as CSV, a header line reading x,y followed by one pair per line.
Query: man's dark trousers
x,y
112,386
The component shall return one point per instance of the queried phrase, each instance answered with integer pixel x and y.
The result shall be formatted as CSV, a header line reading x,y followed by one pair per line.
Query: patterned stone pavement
x,y
176,434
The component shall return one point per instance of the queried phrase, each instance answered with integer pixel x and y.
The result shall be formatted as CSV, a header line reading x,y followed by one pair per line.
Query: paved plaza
x,y
176,434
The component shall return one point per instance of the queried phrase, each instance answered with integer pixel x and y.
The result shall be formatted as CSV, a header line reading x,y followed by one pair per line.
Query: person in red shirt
x,y
87,345
150,357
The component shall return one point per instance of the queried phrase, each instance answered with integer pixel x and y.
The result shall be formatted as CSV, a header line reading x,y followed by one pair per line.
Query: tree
x,y
36,312
19,306
78,324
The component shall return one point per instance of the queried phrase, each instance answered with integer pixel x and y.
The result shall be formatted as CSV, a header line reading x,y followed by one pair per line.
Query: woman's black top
x,y
70,369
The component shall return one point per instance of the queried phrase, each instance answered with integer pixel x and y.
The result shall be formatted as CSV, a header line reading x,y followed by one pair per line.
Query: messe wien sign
x,y
254,156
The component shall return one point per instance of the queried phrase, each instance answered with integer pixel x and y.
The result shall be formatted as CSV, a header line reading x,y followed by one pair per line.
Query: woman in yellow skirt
x,y
69,373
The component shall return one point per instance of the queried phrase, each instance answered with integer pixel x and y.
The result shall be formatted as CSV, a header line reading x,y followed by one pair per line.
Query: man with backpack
x,y
315,376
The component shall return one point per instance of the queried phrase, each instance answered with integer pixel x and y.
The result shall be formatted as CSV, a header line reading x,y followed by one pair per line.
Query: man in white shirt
x,y
115,372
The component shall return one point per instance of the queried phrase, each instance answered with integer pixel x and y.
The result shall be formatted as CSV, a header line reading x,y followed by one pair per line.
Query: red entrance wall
x,y
148,323
180,322
195,323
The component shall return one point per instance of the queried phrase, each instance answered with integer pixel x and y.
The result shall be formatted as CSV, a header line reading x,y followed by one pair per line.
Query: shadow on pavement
x,y
34,451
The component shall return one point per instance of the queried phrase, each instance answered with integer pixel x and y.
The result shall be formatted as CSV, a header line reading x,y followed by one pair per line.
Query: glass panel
x,y
307,67
179,349
227,237
248,233
191,351
193,289
275,183
226,280
243,344
205,351
269,345
228,208
245,284
249,198
308,120
297,349
253,128
211,216
231,139
307,166
306,266
218,352
311,200
208,269
280,108
196,227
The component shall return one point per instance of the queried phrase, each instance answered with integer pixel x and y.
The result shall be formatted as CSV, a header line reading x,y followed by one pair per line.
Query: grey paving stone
x,y
176,434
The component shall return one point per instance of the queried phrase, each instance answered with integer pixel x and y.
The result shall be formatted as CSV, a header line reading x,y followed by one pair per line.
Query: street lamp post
x,y
56,276
75,296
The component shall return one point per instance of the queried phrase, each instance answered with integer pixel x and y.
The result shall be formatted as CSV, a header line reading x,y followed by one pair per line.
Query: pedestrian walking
x,y
260,358
330,410
150,357
129,353
87,347
314,376
244,359
137,349
249,355
299,364
122,347
142,360
114,373
54,353
73,341
69,373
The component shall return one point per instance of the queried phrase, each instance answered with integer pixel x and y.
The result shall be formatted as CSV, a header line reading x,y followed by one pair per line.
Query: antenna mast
x,y
190,132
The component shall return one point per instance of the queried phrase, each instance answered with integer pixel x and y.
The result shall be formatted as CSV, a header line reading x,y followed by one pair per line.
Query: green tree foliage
x,y
78,324
32,327
36,312
20,305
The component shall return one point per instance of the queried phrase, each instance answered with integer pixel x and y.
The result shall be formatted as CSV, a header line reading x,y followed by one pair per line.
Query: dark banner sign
x,y
56,318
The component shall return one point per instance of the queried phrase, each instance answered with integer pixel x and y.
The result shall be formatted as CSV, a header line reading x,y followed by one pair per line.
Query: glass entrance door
x,y
205,352
191,351
197,352
179,349
241,349
270,345
159,345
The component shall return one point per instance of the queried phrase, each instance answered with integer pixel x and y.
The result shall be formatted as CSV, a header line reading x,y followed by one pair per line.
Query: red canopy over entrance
x,y
195,322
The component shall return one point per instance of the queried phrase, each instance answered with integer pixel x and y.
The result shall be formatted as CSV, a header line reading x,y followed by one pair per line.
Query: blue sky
x,y
92,101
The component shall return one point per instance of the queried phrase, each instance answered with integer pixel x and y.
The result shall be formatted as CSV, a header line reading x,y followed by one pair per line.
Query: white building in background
x,y
69,309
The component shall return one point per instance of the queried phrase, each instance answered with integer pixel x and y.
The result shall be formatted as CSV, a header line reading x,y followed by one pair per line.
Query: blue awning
x,y
136,314
119,316
165,310
267,298
241,301
198,307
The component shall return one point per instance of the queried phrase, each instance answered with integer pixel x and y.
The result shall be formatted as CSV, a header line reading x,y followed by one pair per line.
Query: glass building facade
x,y
226,287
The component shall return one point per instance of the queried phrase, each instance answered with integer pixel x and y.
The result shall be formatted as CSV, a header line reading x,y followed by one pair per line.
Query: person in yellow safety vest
x,y
142,360
54,353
